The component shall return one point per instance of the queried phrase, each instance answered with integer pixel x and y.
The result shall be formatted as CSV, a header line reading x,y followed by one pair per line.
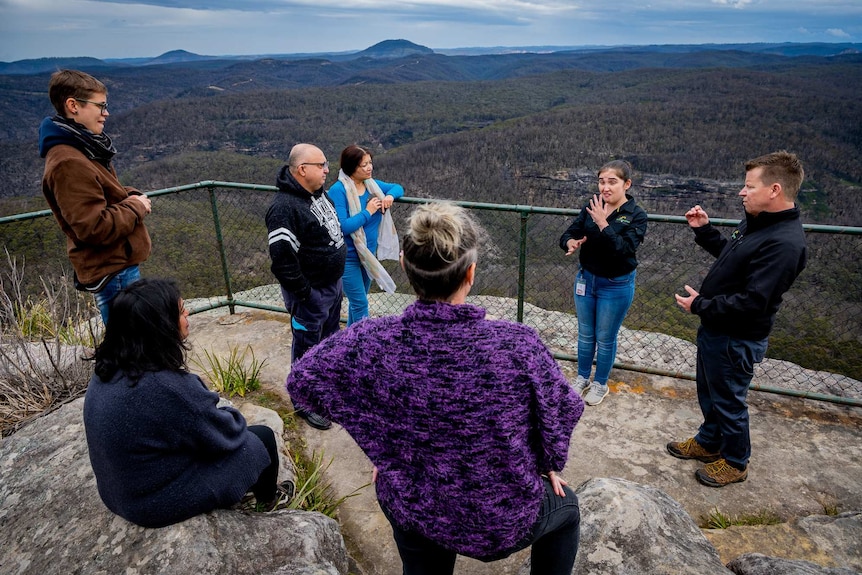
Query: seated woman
x,y
466,420
161,450
362,205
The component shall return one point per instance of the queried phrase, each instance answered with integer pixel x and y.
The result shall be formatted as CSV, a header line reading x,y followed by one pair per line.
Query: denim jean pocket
x,y
621,280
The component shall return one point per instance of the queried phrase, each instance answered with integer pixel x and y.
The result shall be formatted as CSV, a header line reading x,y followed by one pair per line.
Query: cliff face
x,y
657,193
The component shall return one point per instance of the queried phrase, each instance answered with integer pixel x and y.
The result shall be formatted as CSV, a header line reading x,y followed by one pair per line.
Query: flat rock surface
x,y
806,454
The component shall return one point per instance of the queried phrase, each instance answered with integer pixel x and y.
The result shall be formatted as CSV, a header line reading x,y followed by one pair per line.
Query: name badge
x,y
581,288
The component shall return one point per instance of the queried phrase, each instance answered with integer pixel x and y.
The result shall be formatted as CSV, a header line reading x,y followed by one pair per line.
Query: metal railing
x,y
211,237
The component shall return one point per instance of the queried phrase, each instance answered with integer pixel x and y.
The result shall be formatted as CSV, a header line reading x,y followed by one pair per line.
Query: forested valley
x,y
527,130
529,138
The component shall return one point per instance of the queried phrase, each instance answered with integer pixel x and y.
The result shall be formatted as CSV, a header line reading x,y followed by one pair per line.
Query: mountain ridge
x,y
391,49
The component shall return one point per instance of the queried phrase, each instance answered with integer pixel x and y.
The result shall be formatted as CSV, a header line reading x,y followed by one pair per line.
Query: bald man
x,y
308,252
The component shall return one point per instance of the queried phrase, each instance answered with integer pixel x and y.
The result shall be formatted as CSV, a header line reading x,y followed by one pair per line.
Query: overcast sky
x,y
148,28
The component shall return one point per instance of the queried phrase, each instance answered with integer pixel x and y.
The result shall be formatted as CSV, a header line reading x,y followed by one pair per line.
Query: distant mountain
x,y
177,56
40,65
660,55
393,49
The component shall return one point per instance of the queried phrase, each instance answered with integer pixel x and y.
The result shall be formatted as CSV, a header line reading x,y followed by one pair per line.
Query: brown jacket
x,y
104,229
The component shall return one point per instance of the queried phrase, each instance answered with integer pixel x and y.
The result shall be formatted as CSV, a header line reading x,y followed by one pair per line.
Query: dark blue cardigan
x,y
161,450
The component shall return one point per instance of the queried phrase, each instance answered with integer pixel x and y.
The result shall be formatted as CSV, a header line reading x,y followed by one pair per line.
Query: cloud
x,y
732,3
837,32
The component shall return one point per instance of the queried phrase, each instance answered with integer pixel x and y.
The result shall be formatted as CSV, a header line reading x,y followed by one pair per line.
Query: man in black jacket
x,y
308,252
737,304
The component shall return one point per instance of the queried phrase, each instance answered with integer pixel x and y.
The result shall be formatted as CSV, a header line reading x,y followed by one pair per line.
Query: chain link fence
x,y
212,239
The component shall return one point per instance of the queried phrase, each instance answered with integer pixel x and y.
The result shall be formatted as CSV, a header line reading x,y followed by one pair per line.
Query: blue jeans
x,y
601,310
357,282
554,536
725,366
314,318
104,297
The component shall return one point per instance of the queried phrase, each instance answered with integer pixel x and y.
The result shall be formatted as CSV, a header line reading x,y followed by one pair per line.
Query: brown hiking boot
x,y
691,449
720,473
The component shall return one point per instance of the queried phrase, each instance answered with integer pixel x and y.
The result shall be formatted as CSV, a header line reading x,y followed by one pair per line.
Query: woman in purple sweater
x,y
466,420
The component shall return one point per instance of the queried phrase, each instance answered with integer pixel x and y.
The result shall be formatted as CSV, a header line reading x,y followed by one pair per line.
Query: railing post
x,y
522,265
222,255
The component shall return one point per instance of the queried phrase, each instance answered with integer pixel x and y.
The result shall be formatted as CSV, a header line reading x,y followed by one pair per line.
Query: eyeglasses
x,y
103,106
321,165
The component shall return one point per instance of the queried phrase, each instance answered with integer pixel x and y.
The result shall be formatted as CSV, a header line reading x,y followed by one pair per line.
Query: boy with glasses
x,y
103,220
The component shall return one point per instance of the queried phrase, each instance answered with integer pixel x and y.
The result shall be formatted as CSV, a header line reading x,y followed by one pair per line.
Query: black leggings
x,y
265,488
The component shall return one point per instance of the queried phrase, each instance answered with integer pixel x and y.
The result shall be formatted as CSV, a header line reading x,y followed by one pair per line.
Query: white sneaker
x,y
581,383
596,394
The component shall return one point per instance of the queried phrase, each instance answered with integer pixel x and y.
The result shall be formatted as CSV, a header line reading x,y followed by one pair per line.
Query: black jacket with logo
x,y
305,241
609,253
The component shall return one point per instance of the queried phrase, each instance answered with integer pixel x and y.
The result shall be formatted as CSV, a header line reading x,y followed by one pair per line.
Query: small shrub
x,y
764,517
313,492
715,519
39,320
41,348
232,376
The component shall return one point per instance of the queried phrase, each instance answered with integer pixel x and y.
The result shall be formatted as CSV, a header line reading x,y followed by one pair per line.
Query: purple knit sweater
x,y
461,415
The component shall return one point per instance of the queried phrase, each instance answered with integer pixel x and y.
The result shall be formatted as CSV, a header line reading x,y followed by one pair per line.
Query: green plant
x,y
715,519
763,517
313,492
38,320
232,376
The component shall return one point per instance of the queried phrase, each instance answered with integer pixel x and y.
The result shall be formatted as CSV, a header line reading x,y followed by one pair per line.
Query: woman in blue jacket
x,y
608,232
362,204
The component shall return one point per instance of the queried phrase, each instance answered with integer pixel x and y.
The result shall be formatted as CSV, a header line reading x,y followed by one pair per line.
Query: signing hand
x,y
599,211
696,217
574,244
685,301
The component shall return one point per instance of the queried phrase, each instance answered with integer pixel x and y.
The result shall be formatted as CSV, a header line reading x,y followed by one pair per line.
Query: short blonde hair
x,y
441,243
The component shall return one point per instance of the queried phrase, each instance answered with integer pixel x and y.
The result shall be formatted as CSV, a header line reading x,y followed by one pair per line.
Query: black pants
x,y
554,537
265,488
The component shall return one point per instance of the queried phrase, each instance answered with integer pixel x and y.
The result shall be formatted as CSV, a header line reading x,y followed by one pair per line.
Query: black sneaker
x,y
314,420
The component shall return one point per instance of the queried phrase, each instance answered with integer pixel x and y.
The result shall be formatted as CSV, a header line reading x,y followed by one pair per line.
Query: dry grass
x,y
42,345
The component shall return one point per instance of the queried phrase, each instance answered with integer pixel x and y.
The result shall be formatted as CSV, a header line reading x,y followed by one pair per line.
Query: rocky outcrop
x,y
53,522
757,564
631,529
